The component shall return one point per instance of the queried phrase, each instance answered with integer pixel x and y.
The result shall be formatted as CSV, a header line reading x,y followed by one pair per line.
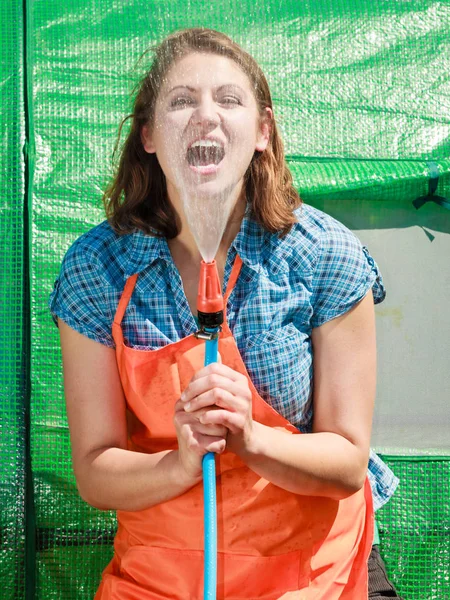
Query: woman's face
x,y
206,127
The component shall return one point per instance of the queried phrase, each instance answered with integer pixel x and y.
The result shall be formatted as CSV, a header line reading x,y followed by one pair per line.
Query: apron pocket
x,y
165,572
117,588
244,577
178,574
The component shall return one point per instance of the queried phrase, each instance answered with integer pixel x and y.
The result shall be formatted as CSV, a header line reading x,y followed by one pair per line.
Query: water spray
x,y
207,215
210,317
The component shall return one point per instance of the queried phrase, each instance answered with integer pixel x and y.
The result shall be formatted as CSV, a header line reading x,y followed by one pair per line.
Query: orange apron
x,y
272,544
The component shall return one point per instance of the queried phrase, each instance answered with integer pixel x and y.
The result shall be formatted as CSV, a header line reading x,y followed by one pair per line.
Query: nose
x,y
206,113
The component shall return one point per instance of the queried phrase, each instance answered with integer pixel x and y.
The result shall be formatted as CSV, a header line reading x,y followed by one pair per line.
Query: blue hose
x,y
209,498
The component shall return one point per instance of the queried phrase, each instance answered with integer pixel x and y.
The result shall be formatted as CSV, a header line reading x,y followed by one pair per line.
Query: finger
x,y
232,422
198,437
206,443
179,406
211,429
194,423
211,399
220,369
215,381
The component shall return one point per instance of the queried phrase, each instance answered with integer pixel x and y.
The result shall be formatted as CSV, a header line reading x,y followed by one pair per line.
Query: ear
x,y
265,127
146,140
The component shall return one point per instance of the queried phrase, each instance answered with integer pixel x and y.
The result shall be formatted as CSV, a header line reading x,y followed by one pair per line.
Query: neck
x,y
184,247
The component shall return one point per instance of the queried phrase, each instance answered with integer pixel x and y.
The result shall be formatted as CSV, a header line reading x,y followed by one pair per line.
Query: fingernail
x,y
187,406
182,397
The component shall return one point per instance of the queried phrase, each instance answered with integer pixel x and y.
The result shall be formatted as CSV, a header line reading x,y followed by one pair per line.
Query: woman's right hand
x,y
196,439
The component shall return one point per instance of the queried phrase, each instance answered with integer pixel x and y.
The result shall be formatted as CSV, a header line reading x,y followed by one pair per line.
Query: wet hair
x,y
137,195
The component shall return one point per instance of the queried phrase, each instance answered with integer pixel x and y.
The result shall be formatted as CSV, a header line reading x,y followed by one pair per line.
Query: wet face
x,y
206,127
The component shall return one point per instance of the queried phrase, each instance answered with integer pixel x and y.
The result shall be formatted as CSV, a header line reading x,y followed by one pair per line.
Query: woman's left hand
x,y
226,396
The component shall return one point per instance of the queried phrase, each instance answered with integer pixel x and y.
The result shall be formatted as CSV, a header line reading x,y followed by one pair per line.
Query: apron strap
x,y
125,298
131,282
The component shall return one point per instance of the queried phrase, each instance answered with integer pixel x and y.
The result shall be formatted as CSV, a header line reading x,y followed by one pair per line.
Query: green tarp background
x,y
362,95
13,341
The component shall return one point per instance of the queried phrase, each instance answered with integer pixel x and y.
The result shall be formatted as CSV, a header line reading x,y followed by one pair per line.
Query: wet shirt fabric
x,y
287,286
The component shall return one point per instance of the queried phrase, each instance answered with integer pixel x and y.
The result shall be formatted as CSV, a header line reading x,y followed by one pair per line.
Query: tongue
x,y
202,156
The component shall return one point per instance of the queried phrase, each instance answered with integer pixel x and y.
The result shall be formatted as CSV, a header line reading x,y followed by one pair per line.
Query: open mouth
x,y
205,152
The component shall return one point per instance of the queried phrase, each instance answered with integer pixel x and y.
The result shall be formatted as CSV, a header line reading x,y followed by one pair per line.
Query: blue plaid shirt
x,y
287,286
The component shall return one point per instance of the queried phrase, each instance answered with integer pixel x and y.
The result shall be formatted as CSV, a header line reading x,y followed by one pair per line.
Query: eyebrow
x,y
219,89
181,87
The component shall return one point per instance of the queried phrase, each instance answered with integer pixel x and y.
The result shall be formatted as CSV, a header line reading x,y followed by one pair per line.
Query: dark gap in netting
x,y
29,155
47,538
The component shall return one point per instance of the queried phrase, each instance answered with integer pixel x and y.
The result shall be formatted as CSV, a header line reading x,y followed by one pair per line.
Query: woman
x,y
295,511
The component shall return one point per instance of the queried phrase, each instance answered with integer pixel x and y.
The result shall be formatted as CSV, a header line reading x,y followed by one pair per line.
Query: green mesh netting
x,y
361,92
12,373
415,528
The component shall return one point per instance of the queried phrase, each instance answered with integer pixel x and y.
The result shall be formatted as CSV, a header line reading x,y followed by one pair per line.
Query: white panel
x,y
413,324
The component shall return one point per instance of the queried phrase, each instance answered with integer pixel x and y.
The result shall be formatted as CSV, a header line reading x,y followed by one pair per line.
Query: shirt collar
x,y
145,249
248,242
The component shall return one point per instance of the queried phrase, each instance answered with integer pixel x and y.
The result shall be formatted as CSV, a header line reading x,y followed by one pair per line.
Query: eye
x,y
231,100
181,102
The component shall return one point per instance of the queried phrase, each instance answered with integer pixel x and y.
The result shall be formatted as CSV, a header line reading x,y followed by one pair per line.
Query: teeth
x,y
206,144
205,152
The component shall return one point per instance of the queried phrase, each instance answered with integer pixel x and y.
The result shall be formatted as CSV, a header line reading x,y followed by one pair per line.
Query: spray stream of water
x,y
207,219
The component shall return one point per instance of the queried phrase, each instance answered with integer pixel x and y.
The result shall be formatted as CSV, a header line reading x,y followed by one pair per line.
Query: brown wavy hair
x,y
137,196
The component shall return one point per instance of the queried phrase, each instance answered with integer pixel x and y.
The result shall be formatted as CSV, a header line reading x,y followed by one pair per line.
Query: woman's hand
x,y
109,476
196,438
219,397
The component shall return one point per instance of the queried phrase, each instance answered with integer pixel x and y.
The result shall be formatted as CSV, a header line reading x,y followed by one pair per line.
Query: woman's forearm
x,y
118,479
314,464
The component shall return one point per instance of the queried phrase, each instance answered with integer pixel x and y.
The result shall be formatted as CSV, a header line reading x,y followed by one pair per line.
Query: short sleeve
x,y
79,298
344,273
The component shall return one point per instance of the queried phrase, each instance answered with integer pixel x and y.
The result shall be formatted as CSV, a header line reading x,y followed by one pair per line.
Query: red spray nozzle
x,y
209,298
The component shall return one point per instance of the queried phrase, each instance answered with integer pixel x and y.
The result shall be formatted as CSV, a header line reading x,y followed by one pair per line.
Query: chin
x,y
210,189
